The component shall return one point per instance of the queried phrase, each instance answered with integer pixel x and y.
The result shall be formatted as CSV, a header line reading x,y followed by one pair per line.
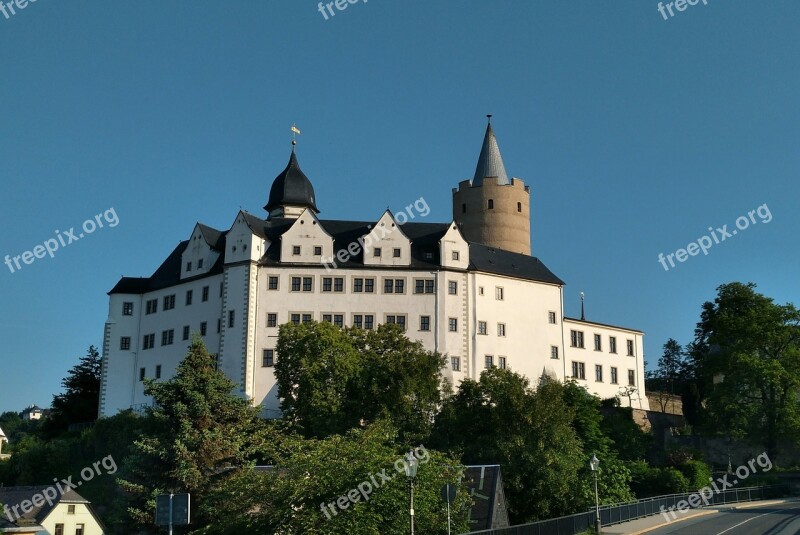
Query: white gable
x,y
198,257
453,249
387,244
242,244
306,242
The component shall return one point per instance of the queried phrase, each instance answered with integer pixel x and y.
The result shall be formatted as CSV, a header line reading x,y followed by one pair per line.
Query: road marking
x,y
749,519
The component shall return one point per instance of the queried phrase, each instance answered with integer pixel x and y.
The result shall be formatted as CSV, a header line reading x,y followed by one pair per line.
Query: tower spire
x,y
490,162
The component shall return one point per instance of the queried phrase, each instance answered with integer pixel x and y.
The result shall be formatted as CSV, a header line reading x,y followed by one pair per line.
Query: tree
x,y
746,361
200,432
361,470
500,419
670,364
80,400
331,380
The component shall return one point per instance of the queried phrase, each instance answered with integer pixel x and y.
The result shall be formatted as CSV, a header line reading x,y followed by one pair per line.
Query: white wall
x,y
82,515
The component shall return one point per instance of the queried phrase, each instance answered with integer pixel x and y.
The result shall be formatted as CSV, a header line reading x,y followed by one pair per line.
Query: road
x,y
775,519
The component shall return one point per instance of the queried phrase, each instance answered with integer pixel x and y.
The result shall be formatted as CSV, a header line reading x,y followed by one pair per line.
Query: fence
x,y
624,512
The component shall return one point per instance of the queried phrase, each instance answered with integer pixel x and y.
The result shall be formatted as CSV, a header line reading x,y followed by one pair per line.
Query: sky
x,y
636,132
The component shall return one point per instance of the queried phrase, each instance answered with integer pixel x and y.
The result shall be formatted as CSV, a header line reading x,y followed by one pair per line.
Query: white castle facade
x,y
468,289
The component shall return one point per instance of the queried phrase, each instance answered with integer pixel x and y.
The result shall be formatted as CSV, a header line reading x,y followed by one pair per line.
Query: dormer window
x,y
455,255
296,250
200,264
317,250
428,256
376,252
188,266
396,252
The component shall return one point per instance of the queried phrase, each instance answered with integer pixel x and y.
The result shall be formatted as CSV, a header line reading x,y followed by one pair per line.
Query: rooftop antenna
x,y
583,314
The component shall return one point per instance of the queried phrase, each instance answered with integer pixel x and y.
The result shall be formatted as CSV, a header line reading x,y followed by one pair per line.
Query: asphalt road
x,y
777,519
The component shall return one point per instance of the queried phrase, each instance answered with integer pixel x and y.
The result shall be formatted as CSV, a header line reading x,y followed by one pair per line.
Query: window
x,y
551,318
424,323
308,284
369,321
463,208
376,252
188,298
358,321
423,286
455,255
327,284
455,363
598,342
125,343
185,332
480,290
613,375
488,361
396,319
167,337
576,338
630,348
554,352
188,266
519,207
295,319
296,250
369,286
70,509
142,374
151,307
273,282
79,529
59,529
127,308
452,287
631,378
338,284
499,294
501,329
396,252
428,255
363,285
268,358
203,328
204,298
397,286
612,344
317,250
358,285
338,320
158,371
200,264
327,317
481,327
296,282
598,373
169,302
231,318
501,363
452,325
490,204
388,286
306,318
149,341
578,370
272,319
219,325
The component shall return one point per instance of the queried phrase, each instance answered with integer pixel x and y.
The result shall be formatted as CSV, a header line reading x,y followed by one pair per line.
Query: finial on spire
x,y
583,313
489,116
295,131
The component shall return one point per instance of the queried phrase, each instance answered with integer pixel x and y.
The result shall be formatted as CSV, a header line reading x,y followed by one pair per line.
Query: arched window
x,y
519,207
491,204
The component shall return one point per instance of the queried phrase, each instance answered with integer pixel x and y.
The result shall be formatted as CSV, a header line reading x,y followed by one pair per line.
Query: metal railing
x,y
625,512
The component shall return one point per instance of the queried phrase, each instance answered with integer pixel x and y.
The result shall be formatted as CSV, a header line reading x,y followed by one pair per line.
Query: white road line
x,y
749,519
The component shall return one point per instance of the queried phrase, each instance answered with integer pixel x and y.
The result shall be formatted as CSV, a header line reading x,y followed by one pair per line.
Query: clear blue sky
x,y
635,134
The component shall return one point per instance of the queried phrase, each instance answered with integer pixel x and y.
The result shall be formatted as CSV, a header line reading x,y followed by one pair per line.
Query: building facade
x,y
468,289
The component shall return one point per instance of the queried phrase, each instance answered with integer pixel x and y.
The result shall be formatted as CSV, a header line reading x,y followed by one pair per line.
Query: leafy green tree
x,y
746,361
310,475
630,443
81,397
500,419
200,432
331,380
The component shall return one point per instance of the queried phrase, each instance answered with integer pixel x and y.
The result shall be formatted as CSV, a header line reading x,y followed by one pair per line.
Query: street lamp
x,y
594,464
410,467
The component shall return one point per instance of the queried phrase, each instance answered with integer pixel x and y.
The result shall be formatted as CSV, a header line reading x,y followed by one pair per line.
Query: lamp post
x,y
594,464
410,467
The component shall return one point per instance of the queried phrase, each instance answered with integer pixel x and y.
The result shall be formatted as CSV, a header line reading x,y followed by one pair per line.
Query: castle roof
x,y
490,162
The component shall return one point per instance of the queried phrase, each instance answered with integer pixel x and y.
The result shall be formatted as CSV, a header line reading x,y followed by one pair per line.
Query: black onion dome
x,y
292,187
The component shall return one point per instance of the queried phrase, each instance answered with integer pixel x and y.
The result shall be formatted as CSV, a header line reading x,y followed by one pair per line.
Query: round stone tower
x,y
491,208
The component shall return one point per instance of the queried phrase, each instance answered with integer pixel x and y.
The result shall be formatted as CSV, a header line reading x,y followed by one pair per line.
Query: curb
x,y
759,504
652,528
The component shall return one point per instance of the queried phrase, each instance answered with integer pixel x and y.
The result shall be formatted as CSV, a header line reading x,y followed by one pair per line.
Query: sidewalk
x,y
650,523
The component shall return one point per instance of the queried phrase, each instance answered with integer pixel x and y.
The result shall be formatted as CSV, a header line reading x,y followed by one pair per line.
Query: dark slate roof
x,y
578,320
490,162
12,496
424,238
292,187
214,238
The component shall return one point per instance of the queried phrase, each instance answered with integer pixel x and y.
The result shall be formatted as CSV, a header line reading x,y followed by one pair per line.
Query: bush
x,y
697,474
649,481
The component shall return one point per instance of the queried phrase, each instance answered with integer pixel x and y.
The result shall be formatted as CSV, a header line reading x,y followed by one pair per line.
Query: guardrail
x,y
625,512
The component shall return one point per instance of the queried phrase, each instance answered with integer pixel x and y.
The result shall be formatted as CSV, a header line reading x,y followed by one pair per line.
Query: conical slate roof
x,y
490,162
292,187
